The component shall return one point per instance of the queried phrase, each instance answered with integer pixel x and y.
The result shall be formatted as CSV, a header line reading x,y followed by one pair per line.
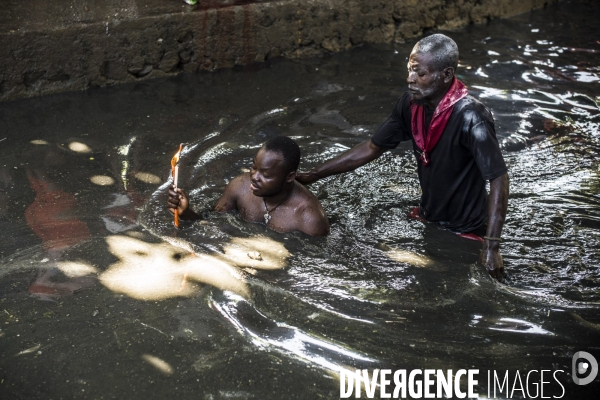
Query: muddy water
x,y
102,298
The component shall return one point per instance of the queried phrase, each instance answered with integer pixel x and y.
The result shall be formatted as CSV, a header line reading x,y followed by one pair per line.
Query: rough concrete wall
x,y
99,54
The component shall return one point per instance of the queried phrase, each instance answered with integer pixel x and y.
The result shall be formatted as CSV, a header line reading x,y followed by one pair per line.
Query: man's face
x,y
424,82
267,174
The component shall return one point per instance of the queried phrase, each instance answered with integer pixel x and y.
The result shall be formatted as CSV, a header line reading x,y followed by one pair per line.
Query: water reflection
x,y
289,340
408,257
159,364
223,304
149,271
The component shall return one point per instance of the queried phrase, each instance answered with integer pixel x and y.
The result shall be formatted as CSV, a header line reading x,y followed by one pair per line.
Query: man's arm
x,y
228,200
356,157
178,199
497,204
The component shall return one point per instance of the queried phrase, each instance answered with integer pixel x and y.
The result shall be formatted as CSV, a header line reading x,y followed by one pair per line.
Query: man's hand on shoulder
x,y
306,178
356,157
491,259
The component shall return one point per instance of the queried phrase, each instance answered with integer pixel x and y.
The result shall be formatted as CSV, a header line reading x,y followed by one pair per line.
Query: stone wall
x,y
98,53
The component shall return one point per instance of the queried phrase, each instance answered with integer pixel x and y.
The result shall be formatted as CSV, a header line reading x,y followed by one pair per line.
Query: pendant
x,y
267,218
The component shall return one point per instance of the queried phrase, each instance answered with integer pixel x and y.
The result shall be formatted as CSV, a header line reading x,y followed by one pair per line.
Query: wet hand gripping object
x,y
175,175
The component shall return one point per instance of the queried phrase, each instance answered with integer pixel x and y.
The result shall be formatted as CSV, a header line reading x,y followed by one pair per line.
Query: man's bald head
x,y
442,49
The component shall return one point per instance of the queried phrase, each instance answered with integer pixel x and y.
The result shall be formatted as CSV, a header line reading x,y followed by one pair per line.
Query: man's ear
x,y
291,177
448,74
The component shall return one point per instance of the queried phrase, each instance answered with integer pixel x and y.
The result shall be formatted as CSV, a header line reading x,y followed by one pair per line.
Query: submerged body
x,y
268,193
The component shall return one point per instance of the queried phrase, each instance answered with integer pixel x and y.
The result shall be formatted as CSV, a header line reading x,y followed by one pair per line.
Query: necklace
x,y
267,215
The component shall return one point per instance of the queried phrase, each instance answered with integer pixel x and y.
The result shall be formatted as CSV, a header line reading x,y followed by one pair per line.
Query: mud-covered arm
x,y
354,158
497,205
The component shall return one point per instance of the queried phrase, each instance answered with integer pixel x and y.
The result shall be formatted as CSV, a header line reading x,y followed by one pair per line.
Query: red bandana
x,y
439,120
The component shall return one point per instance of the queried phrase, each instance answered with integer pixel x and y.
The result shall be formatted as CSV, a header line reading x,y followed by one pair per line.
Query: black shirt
x,y
466,156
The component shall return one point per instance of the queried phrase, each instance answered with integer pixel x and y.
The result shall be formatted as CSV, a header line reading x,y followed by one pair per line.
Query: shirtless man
x,y
269,193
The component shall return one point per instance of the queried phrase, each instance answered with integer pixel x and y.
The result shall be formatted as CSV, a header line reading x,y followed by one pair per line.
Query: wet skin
x,y
427,87
292,206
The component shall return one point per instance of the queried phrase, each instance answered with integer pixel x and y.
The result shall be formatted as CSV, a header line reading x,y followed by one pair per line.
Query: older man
x,y
455,145
268,193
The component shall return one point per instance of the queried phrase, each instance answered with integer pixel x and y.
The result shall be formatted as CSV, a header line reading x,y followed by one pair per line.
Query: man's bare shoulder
x,y
235,190
312,217
239,185
305,197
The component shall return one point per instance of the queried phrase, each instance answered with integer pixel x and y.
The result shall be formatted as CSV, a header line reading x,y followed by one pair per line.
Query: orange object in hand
x,y
175,175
